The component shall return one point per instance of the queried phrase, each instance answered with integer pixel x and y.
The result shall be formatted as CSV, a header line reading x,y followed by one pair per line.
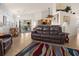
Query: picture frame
x,y
4,20
66,19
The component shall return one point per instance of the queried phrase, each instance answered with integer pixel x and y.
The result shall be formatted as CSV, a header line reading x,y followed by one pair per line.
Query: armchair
x,y
5,43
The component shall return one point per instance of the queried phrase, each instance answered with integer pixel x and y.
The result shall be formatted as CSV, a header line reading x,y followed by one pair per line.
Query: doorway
x,y
25,26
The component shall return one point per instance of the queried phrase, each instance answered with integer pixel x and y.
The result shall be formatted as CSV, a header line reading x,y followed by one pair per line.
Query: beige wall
x,y
60,6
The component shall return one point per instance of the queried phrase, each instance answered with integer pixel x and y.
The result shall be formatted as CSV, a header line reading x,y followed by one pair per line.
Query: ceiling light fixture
x,y
49,13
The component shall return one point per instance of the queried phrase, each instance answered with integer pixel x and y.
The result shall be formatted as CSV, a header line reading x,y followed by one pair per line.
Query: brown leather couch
x,y
5,43
47,33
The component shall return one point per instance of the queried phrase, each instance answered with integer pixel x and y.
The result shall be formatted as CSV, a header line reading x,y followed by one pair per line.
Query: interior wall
x,y
60,6
72,26
9,21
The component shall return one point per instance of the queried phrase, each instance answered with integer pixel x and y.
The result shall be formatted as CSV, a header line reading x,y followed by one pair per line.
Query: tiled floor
x,y
24,40
19,43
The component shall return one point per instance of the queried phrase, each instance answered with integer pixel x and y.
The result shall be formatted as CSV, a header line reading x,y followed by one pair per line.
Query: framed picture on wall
x,y
4,20
66,19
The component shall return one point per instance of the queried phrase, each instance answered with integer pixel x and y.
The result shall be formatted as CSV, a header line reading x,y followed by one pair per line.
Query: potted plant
x,y
68,8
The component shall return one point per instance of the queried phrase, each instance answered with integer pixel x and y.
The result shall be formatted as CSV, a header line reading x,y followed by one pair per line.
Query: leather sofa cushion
x,y
54,37
45,32
56,28
45,35
53,33
40,32
6,40
35,34
38,28
46,28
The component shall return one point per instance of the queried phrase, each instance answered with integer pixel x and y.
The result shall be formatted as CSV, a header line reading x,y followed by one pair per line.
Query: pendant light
x,y
49,13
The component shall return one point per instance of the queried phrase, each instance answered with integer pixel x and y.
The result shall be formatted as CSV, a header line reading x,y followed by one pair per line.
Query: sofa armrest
x,y
34,31
1,48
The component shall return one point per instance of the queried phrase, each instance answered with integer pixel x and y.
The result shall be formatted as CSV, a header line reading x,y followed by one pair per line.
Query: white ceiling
x,y
20,8
25,8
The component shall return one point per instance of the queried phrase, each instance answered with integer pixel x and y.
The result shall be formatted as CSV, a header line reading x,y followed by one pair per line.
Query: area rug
x,y
44,49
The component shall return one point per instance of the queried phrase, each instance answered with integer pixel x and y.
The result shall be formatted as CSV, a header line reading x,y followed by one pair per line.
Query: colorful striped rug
x,y
43,49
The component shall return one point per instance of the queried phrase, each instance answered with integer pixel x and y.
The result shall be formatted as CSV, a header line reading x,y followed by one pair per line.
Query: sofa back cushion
x,y
55,29
38,29
46,29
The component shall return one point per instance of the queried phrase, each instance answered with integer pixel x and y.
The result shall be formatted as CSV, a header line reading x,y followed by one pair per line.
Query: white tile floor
x,y
24,40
